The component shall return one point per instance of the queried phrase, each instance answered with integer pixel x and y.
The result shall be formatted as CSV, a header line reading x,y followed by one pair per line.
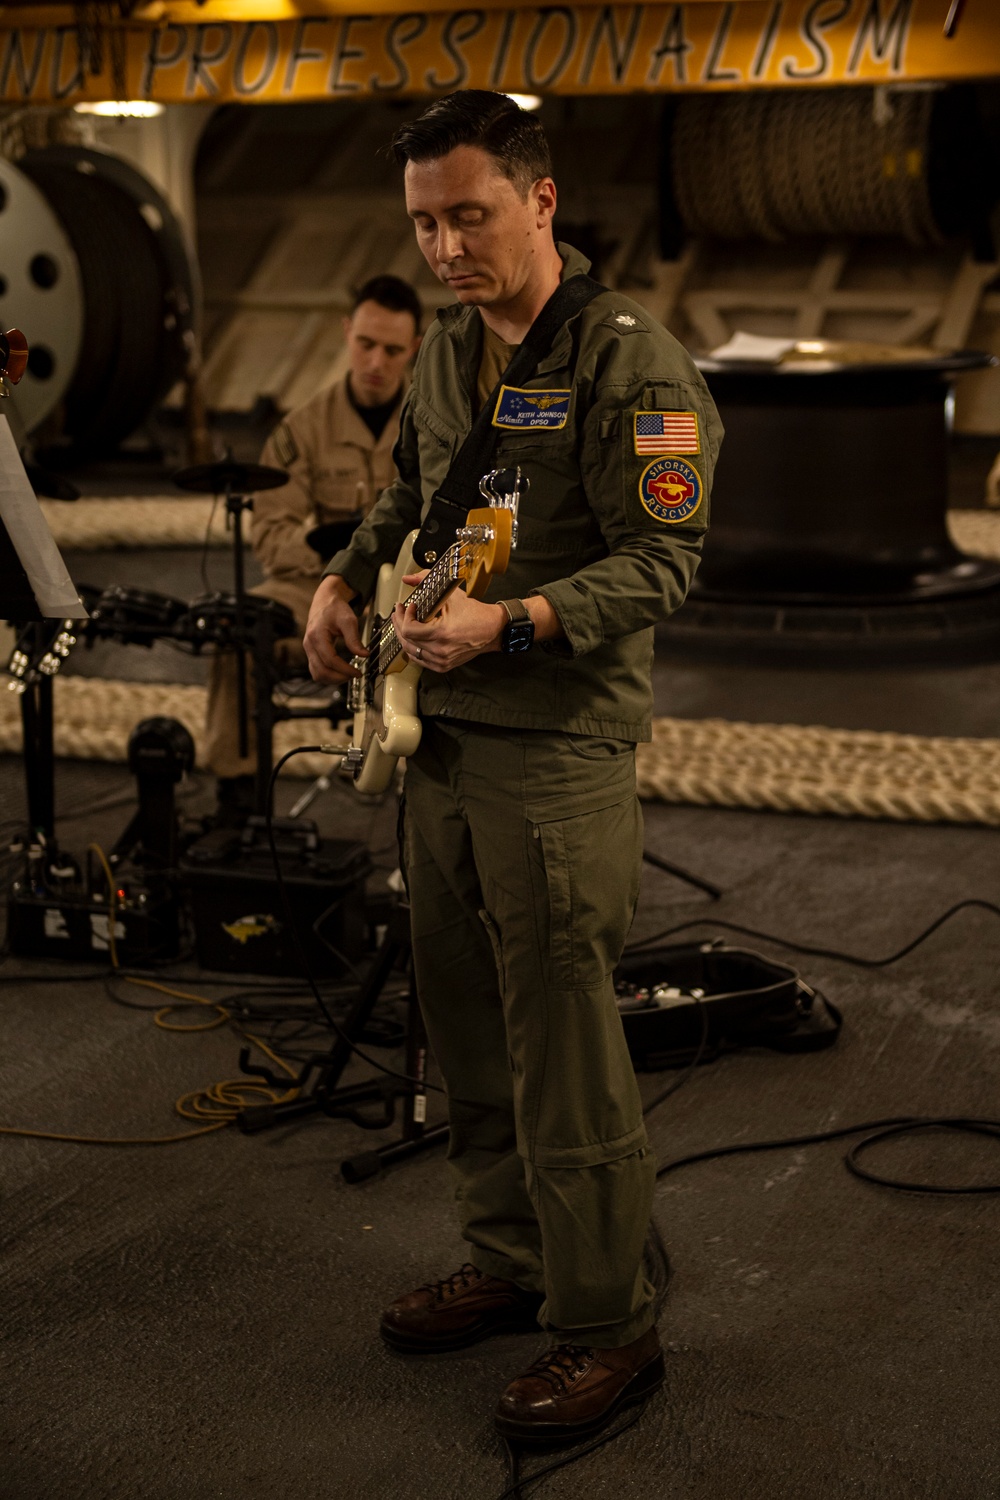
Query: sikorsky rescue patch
x,y
670,490
522,411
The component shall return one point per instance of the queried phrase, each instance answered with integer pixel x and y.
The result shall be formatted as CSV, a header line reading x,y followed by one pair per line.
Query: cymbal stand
x,y
235,506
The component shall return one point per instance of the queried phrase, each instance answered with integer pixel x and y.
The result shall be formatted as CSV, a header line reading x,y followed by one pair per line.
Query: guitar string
x,y
424,599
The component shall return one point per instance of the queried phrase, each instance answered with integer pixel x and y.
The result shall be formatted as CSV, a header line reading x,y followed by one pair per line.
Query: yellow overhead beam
x,y
195,12
225,51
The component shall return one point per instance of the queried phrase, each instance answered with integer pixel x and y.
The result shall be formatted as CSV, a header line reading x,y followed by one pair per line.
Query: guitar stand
x,y
318,1080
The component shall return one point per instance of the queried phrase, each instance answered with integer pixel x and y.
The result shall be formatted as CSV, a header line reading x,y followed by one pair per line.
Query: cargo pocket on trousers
x,y
591,863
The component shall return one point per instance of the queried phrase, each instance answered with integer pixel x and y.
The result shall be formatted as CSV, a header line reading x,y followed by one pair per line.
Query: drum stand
x,y
237,483
262,639
318,1082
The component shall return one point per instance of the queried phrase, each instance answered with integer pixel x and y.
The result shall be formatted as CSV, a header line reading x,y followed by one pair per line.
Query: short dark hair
x,y
477,117
392,293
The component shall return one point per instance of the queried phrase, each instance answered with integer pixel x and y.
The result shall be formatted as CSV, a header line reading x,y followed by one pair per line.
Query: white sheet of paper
x,y
40,557
753,346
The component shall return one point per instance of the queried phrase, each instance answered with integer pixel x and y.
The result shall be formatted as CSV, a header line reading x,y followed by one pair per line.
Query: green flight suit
x,y
523,833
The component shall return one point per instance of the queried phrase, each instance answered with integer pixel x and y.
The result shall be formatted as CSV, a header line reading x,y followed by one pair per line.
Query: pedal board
x,y
46,926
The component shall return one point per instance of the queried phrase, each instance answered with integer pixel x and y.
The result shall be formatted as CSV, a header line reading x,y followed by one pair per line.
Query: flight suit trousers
x,y
222,740
523,853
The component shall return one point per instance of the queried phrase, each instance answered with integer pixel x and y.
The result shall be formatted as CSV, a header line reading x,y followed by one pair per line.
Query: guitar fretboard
x,y
425,599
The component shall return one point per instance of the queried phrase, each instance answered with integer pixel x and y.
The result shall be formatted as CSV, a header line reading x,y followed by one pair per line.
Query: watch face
x,y
519,635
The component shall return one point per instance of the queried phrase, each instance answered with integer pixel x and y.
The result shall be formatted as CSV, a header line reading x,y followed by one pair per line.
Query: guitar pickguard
x,y
386,726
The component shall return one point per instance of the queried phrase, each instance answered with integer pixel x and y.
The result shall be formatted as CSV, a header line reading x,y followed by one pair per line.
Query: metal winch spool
x,y
40,291
829,536
779,164
95,268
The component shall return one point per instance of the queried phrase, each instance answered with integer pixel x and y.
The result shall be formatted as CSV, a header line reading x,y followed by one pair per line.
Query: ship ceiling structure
x,y
242,51
297,202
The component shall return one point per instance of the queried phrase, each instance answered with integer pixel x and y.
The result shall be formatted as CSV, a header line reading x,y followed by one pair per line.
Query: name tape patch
x,y
670,490
667,432
519,411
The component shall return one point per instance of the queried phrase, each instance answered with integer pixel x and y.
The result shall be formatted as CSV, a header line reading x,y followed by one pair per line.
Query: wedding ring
x,y
419,652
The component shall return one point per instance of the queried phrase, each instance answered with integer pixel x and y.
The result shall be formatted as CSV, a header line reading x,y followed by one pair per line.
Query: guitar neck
x,y
425,599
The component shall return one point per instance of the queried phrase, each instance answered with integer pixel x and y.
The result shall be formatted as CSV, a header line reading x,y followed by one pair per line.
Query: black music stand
x,y
38,617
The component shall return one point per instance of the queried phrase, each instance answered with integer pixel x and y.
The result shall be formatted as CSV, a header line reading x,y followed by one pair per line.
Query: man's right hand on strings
x,y
332,621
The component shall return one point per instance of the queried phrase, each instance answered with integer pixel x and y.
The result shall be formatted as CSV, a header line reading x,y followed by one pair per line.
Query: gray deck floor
x,y
200,1319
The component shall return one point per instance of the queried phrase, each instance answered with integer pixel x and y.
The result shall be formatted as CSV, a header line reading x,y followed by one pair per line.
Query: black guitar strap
x,y
459,491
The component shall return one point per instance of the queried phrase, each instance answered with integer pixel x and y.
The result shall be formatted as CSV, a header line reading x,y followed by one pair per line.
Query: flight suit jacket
x,y
610,529
337,470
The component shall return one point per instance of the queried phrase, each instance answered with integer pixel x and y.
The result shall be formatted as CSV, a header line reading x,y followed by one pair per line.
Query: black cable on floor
x,y
814,952
881,1130
689,1071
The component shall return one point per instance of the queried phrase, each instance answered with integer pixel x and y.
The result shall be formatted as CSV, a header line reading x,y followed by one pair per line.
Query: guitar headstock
x,y
489,535
484,548
502,490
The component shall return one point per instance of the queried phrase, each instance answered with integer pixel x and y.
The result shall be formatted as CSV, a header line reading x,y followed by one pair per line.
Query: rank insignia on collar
x,y
523,411
670,490
666,432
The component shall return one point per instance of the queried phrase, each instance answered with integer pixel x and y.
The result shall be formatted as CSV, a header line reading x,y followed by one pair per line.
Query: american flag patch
x,y
666,432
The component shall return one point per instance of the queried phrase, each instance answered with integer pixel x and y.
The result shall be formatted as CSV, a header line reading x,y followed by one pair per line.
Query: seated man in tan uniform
x,y
337,449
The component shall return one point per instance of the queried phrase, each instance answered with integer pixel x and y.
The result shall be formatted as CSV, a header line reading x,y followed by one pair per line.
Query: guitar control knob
x,y
430,557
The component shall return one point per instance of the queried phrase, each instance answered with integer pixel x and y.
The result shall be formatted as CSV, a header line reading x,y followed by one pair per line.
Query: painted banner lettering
x,y
565,49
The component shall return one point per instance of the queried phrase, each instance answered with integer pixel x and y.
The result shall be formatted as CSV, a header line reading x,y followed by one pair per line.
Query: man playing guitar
x,y
523,835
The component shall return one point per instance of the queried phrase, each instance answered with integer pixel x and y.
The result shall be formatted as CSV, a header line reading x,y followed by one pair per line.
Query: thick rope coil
x,y
699,762
846,773
776,165
94,718
135,521
976,531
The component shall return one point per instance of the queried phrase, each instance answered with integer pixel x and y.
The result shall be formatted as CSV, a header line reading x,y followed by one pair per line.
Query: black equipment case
x,y
240,921
720,998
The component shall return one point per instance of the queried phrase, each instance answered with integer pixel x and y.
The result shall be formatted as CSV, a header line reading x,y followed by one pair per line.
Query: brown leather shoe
x,y
572,1392
460,1310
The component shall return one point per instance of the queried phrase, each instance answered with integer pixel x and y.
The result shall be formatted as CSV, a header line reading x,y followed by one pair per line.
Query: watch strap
x,y
516,610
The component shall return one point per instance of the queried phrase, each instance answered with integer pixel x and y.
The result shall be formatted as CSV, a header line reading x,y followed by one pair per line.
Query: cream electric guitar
x,y
384,696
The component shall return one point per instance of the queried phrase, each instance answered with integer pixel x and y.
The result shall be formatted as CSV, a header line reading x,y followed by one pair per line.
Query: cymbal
x,y
229,476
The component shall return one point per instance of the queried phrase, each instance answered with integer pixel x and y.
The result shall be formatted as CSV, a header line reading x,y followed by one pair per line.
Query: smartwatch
x,y
519,632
